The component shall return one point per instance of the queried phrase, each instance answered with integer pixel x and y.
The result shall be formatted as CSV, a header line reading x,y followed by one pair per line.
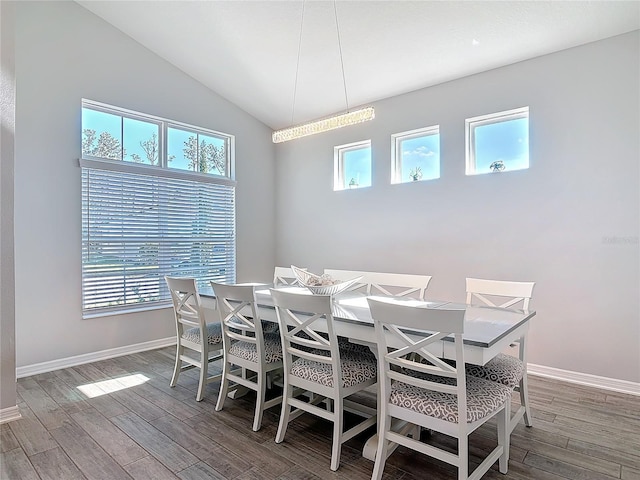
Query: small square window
x,y
498,142
352,166
416,155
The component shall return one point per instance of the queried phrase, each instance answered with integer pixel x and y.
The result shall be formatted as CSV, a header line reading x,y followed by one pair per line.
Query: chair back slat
x,y
187,305
306,329
239,315
379,283
417,317
499,293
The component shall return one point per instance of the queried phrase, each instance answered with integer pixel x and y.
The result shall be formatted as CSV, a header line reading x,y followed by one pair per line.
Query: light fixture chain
x,y
344,81
329,123
295,83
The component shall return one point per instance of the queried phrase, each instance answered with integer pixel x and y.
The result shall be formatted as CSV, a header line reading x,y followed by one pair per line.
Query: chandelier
x,y
329,123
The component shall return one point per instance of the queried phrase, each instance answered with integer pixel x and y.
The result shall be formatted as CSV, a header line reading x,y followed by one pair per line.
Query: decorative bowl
x,y
305,278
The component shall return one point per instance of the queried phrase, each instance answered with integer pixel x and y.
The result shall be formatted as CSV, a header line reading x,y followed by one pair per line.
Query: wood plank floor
x,y
119,419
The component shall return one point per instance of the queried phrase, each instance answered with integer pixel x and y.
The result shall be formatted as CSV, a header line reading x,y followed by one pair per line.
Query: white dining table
x,y
487,330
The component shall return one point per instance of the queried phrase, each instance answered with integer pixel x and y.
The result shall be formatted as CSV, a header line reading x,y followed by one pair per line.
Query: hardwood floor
x,y
119,419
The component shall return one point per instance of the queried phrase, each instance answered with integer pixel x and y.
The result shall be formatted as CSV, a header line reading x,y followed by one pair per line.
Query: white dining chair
x,y
382,283
314,363
191,329
246,346
504,368
419,388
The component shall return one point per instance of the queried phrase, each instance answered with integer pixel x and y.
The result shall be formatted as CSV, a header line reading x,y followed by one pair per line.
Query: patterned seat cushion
x,y
355,369
505,369
214,334
249,351
270,327
483,397
346,345
357,354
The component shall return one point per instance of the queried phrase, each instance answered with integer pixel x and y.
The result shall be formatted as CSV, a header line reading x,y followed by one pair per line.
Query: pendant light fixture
x,y
329,123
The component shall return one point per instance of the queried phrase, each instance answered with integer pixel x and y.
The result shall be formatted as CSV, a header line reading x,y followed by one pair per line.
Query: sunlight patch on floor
x,y
96,389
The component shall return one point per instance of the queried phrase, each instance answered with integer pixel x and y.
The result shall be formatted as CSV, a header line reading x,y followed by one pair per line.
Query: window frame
x,y
396,150
338,163
162,170
200,131
164,124
482,120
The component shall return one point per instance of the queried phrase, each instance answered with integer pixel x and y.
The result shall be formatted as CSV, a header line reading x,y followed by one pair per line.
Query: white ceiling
x,y
247,51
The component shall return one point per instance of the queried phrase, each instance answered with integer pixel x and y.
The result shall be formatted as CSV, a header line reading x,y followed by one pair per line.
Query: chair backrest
x,y
303,334
409,360
239,318
499,293
283,276
187,306
379,283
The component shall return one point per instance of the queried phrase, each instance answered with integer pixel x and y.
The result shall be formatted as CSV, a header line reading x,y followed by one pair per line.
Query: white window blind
x,y
142,223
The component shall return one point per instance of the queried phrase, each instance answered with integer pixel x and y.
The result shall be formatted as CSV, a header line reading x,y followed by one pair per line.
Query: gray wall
x,y
569,223
63,54
7,276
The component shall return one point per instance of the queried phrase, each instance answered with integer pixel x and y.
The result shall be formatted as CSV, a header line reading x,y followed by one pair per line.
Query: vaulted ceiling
x,y
247,51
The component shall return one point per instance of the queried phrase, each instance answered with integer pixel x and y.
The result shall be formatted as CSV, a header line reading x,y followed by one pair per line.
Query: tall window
x,y
352,166
416,155
498,142
151,208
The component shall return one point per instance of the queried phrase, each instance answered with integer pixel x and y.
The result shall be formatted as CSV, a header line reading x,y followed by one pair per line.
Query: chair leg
x,y
524,385
463,457
224,387
336,448
204,364
286,411
329,404
178,364
384,422
504,436
260,394
524,400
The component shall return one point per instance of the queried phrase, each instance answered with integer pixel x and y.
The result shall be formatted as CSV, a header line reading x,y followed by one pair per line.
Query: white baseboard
x,y
605,383
9,414
43,367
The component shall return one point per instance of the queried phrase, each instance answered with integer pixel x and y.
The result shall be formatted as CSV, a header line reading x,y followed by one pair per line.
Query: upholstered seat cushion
x,y
249,351
357,355
270,327
214,334
505,369
355,369
483,398
346,345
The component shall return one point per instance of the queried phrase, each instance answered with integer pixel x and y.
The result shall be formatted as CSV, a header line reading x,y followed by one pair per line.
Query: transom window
x,y
416,155
352,165
498,142
157,199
